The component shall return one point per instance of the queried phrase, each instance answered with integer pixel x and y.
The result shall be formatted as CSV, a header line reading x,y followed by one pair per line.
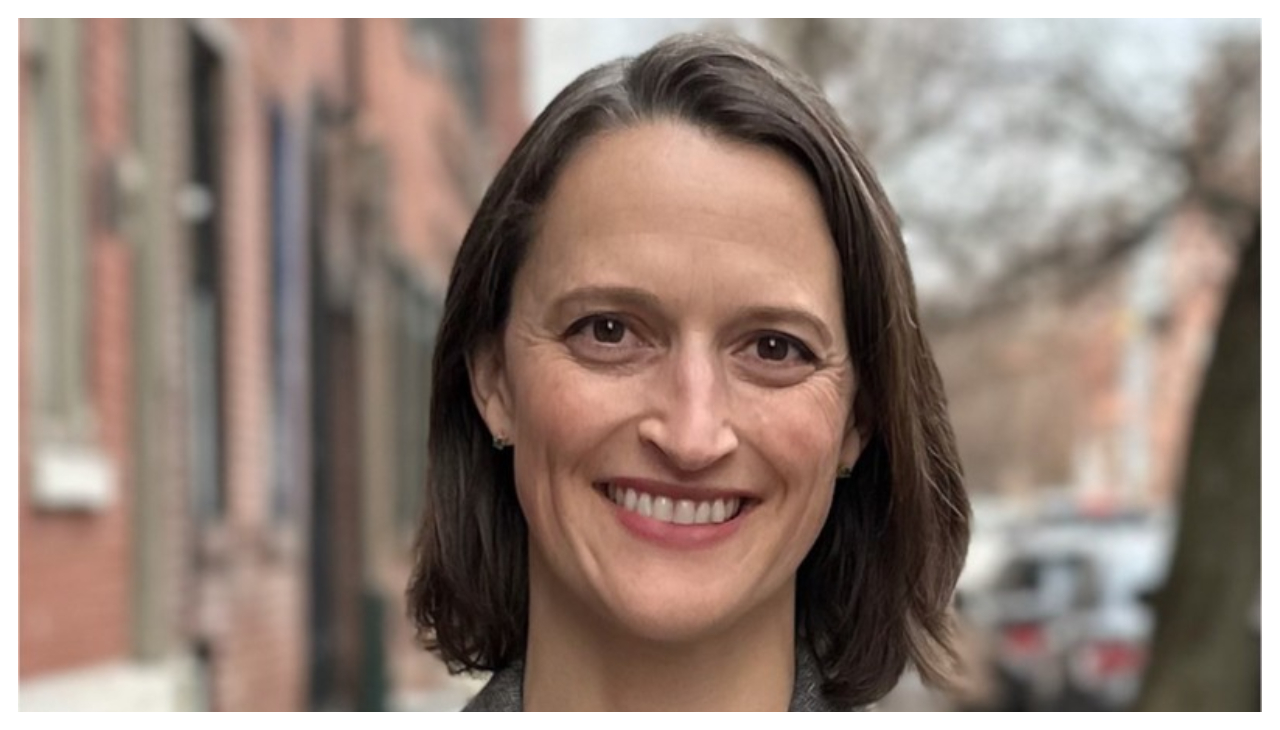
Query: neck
x,y
578,661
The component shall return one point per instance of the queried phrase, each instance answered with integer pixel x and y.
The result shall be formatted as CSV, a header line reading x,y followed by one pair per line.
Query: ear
x,y
851,446
489,388
855,438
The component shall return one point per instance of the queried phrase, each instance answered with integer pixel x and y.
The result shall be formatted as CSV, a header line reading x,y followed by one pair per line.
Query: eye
x,y
775,360
609,330
778,348
603,329
604,338
772,347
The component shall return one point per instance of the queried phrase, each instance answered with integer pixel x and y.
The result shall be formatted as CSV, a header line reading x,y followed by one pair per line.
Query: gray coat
x,y
503,692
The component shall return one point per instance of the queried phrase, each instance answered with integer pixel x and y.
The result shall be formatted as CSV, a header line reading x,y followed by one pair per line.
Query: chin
x,y
671,624
679,614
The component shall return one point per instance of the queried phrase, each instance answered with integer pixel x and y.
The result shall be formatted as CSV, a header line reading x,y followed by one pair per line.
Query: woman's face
x,y
675,378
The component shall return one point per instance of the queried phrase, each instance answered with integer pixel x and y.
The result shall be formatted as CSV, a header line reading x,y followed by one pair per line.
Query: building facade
x,y
234,241
1090,397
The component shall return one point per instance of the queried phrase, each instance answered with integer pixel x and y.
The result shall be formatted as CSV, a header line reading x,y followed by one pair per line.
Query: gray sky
x,y
1152,58
559,49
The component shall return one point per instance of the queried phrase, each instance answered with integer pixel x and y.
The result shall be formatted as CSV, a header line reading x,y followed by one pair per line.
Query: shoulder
x,y
808,695
502,693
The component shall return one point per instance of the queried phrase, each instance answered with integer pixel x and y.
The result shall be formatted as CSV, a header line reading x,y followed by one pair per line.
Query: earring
x,y
500,443
845,472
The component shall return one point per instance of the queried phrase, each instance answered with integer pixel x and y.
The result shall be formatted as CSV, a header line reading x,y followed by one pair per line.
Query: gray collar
x,y
503,693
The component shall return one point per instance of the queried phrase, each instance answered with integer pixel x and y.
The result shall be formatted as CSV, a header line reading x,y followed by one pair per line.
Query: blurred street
x,y
235,238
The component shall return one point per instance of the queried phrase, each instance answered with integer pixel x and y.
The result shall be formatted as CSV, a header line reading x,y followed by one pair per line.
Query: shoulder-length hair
x,y
875,590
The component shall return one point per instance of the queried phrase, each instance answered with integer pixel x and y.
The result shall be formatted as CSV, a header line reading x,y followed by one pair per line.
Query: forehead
x,y
669,203
625,174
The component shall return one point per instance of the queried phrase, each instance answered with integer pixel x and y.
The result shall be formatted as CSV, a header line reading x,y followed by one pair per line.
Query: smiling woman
x,y
723,476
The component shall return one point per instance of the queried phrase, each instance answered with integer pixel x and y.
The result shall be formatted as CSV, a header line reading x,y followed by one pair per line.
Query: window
x,y
58,204
284,281
453,45
417,315
70,471
203,212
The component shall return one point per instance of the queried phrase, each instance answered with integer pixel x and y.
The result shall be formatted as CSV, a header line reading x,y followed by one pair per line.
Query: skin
x,y
679,319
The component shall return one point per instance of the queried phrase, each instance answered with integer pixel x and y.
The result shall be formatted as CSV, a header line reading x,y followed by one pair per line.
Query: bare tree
x,y
1018,161
1206,654
1056,174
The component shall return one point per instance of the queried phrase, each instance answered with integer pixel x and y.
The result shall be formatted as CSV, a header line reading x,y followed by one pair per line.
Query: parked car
x,y
1065,616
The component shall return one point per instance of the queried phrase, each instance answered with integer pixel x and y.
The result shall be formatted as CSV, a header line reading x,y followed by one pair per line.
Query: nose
x,y
690,421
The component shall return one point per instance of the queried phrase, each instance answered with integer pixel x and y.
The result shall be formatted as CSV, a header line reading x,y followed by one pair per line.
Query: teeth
x,y
717,511
703,515
680,512
662,509
685,512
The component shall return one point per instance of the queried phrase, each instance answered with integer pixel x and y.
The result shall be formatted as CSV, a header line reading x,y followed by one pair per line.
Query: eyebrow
x,y
641,299
614,294
788,314
625,297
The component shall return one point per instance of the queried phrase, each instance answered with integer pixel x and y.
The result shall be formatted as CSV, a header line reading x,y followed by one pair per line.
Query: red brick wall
x,y
415,115
247,599
255,595
1200,269
74,568
410,109
504,100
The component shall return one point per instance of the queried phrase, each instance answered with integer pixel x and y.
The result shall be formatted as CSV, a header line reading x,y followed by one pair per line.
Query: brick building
x,y
1091,396
234,237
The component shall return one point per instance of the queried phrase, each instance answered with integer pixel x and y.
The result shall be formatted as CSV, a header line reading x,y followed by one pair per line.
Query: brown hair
x,y
874,592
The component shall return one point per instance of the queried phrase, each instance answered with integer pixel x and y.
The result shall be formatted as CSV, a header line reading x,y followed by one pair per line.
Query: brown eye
x,y
779,348
771,347
607,330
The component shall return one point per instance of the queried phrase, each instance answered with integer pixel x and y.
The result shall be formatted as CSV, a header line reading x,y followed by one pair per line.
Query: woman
x,y
688,449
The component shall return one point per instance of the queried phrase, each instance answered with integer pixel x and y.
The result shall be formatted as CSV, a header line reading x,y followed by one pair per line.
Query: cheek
x,y
561,415
811,446
802,431
801,449
549,415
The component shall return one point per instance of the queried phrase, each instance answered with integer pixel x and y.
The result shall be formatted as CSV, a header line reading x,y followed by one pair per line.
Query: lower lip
x,y
671,535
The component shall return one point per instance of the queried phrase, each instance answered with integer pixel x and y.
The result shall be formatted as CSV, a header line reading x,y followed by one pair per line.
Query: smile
x,y
674,511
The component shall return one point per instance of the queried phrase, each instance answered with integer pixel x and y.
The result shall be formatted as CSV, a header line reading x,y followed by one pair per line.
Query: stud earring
x,y
845,472
500,443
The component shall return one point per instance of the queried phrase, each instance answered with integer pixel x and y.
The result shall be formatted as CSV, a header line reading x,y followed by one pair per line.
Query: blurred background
x,y
235,237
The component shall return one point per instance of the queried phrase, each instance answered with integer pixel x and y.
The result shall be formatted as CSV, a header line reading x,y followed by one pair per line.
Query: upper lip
x,y
696,493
